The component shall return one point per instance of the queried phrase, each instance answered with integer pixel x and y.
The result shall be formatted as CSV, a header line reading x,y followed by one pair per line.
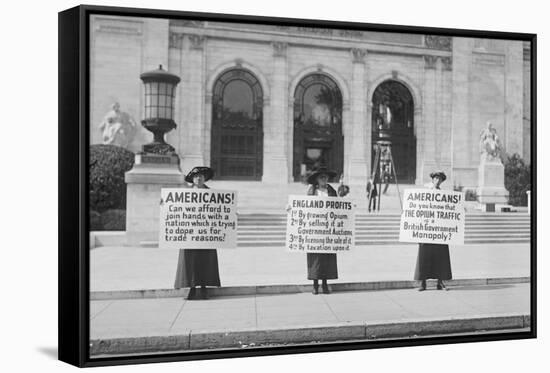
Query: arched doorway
x,y
318,136
393,112
237,130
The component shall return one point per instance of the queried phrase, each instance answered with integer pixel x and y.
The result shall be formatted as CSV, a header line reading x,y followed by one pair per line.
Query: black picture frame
x,y
74,118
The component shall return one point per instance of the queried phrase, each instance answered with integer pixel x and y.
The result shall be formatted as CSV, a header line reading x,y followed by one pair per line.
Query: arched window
x,y
237,131
393,114
318,139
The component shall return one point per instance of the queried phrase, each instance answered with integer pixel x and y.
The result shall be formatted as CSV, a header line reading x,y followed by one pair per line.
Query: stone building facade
x,y
268,102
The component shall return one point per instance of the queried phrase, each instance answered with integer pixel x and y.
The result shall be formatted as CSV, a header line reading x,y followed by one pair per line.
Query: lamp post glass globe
x,y
160,92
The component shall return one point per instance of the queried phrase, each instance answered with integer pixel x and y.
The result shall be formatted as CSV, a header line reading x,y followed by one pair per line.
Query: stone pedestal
x,y
491,182
150,173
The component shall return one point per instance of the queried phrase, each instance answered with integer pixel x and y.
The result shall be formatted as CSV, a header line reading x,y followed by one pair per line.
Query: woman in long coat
x,y
433,260
321,266
198,267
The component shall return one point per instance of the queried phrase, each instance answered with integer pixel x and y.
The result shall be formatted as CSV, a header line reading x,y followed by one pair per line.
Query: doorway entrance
x,y
318,139
237,130
393,120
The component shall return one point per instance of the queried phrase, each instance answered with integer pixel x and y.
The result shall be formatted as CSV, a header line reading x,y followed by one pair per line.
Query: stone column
x,y
192,136
275,167
429,111
513,124
444,124
419,133
462,133
356,172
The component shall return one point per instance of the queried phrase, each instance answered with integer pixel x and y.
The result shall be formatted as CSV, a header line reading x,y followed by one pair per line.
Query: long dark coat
x,y
197,267
321,266
433,261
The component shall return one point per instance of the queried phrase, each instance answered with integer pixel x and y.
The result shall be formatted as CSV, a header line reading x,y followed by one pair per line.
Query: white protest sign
x,y
432,216
320,224
193,218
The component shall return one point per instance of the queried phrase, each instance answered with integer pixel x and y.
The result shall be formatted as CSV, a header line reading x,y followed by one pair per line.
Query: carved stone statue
x,y
489,143
491,190
118,127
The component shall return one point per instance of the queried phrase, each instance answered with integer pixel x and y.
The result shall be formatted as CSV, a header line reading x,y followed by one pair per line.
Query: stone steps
x,y
267,230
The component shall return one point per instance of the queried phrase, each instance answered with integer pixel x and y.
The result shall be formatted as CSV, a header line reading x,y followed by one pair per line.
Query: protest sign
x,y
432,216
198,219
320,224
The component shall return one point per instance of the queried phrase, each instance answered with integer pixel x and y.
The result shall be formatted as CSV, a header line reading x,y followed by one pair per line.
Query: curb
x,y
371,331
296,288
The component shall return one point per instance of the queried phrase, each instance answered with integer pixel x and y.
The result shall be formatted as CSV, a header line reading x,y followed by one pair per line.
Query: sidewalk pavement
x,y
134,268
174,324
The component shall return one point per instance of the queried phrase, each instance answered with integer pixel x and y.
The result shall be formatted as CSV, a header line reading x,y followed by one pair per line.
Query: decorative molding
x,y
320,67
430,62
358,55
438,42
187,23
118,26
239,62
307,30
176,41
488,59
395,74
409,39
447,63
197,41
279,48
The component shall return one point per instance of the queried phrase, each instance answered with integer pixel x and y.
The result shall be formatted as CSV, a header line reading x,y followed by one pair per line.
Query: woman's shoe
x,y
324,286
441,285
422,286
315,287
192,295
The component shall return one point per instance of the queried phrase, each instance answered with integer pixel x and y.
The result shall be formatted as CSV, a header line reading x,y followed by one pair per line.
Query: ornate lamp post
x,y
158,165
160,94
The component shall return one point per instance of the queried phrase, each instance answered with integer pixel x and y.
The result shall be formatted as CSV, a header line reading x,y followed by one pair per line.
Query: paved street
x,y
124,326
133,268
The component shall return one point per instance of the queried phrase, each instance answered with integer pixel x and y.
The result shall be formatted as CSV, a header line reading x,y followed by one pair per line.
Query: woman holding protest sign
x,y
321,266
198,267
433,260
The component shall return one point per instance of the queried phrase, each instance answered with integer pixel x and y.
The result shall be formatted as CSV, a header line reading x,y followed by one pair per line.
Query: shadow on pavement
x,y
49,351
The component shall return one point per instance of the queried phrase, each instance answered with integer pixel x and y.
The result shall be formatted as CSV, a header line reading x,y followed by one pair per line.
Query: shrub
x,y
95,221
517,180
114,220
108,163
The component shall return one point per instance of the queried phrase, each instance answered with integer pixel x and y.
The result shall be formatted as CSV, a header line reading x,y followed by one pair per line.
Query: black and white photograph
x,y
259,184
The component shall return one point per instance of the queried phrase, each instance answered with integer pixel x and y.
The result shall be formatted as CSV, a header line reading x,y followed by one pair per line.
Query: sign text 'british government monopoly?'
x,y
432,216
198,219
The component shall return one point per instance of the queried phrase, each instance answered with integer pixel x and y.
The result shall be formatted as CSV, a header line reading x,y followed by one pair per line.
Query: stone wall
x,y
121,48
457,87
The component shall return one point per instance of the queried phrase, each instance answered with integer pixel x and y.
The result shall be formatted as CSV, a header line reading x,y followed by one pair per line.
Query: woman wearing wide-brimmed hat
x,y
433,261
198,267
321,266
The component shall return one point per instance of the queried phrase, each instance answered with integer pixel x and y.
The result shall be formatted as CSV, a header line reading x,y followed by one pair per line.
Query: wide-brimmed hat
x,y
312,178
439,174
206,171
